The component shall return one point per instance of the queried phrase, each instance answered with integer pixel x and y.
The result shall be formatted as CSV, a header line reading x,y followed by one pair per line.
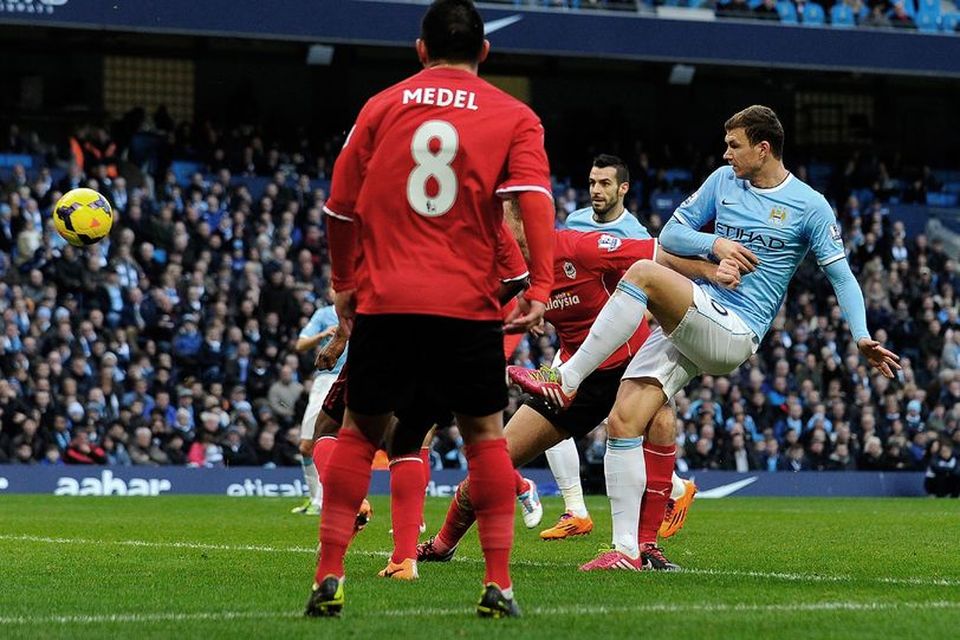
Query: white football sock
x,y
564,462
678,487
626,476
617,321
312,480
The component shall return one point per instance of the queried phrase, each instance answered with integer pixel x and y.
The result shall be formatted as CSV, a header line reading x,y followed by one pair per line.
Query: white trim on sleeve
x,y
679,216
327,210
525,187
832,259
525,274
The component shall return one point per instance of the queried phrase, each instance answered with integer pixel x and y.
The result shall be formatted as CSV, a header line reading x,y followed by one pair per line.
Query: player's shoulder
x,y
580,216
810,199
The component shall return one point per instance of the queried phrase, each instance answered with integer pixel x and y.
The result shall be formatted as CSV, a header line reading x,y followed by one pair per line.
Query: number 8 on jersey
x,y
434,146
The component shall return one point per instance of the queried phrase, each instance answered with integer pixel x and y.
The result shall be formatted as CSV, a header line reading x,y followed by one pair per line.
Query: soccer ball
x,y
83,217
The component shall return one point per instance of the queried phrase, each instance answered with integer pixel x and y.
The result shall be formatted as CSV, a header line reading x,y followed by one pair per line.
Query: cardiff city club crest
x,y
569,270
778,215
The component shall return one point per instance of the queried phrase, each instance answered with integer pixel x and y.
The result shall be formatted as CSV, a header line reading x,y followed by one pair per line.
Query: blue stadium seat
x,y
13,159
930,6
677,175
813,14
942,199
927,22
841,15
949,22
666,203
753,4
184,169
787,11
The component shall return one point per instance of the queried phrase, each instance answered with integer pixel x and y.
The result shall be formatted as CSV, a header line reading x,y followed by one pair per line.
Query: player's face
x,y
605,191
746,159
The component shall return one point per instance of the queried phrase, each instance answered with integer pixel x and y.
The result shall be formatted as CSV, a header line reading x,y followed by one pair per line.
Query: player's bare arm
x,y
305,344
730,250
726,274
510,290
331,352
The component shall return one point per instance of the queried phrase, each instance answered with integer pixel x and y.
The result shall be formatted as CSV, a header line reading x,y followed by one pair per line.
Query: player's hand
x,y
728,274
879,357
526,317
329,332
730,250
345,302
331,352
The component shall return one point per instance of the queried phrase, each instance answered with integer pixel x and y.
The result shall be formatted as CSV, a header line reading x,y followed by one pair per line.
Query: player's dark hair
x,y
760,123
605,160
452,31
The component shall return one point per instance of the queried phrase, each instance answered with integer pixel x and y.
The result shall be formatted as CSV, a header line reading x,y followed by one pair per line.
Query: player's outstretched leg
x,y
492,493
637,402
406,511
646,284
347,476
564,460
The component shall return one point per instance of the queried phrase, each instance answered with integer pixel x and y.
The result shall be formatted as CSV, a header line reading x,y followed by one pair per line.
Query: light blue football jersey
x,y
779,225
324,318
625,226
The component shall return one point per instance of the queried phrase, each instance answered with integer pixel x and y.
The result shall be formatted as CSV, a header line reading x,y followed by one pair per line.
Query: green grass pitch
x,y
212,567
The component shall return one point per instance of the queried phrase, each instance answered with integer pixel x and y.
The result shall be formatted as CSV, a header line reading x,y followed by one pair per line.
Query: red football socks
x,y
522,486
659,460
494,499
346,481
460,517
321,454
406,505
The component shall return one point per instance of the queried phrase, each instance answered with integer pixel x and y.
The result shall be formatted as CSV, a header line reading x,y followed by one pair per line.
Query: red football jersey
x,y
422,172
581,260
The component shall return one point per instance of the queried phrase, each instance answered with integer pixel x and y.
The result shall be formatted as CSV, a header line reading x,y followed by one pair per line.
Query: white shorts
x,y
318,393
709,339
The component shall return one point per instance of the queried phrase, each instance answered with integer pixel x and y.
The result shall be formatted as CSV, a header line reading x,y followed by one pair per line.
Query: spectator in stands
x,y
767,10
899,18
877,17
943,474
735,9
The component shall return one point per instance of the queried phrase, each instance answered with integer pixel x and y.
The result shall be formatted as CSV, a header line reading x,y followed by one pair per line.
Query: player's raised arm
x,y
619,254
823,234
726,274
340,209
528,181
511,265
682,236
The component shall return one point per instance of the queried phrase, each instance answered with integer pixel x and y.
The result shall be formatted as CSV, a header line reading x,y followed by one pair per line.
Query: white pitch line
x,y
763,575
465,611
144,617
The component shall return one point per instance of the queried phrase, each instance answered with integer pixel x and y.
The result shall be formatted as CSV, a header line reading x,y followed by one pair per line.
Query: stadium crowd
x,y
923,15
172,342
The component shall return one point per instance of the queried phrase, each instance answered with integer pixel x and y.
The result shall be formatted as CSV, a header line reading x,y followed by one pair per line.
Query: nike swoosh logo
x,y
500,23
725,490
725,203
